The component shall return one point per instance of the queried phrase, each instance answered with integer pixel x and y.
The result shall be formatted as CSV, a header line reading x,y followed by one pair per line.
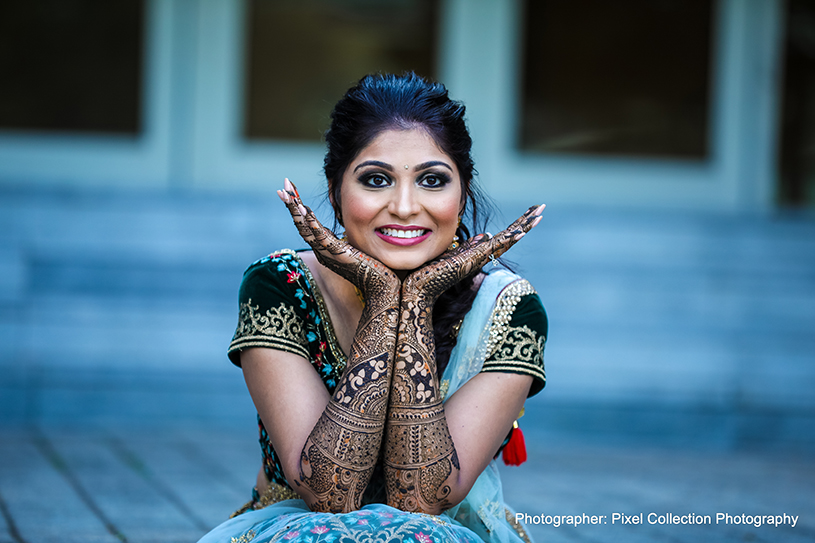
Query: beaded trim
x,y
517,526
274,493
245,538
502,314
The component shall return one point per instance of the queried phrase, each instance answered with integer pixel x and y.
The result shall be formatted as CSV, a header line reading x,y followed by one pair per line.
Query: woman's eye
x,y
433,181
376,181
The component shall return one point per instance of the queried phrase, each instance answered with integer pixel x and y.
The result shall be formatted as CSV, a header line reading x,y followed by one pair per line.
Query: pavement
x,y
173,484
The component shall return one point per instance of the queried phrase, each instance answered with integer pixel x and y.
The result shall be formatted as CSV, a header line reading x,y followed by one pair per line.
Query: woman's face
x,y
401,199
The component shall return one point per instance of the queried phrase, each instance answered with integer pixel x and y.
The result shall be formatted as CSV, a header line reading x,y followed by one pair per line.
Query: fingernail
x,y
540,209
283,196
302,210
519,236
534,224
291,188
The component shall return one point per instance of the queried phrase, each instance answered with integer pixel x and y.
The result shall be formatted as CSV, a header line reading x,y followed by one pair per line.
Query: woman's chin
x,y
404,264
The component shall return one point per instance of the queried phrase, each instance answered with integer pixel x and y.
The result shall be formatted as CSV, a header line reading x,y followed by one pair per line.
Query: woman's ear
x,y
335,204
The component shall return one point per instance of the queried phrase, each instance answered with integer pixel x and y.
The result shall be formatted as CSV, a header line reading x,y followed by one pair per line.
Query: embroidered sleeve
x,y
271,308
518,334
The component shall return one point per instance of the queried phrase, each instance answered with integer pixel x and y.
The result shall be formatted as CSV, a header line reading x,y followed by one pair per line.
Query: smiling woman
x,y
387,368
405,216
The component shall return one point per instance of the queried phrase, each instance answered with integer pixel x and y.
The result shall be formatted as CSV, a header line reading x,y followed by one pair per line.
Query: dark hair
x,y
381,102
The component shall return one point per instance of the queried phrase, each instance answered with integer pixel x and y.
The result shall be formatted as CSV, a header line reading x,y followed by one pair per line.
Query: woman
x,y
386,367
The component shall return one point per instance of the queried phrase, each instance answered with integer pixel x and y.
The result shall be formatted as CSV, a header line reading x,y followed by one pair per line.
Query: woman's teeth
x,y
394,233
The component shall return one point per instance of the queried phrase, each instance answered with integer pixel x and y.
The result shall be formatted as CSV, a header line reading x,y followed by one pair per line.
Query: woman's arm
x,y
430,465
335,460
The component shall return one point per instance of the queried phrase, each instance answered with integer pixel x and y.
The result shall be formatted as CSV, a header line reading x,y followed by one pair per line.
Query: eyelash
x,y
441,179
367,180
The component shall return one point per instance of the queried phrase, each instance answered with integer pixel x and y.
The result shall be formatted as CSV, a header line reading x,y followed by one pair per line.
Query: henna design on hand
x,y
342,449
421,462
375,280
431,280
420,457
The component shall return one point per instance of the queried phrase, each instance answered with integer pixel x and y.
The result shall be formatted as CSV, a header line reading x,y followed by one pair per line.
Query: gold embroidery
x,y
443,388
273,494
434,518
245,538
517,526
502,314
521,344
279,325
243,509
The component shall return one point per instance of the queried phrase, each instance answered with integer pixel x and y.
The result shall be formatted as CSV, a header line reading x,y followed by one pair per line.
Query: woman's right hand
x,y
370,276
432,279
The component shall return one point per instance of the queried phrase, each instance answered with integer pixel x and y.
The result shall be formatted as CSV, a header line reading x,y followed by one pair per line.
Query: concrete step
x,y
685,310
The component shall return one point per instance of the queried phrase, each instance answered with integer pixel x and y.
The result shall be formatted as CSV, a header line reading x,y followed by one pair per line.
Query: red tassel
x,y
514,453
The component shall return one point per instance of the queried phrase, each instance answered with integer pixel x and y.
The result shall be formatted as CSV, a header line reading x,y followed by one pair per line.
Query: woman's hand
x,y
369,275
337,459
423,467
432,279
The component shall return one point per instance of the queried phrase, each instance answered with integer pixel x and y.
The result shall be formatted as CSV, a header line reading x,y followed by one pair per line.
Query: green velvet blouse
x,y
281,308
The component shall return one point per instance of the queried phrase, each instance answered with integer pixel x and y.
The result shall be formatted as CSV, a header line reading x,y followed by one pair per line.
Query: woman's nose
x,y
404,202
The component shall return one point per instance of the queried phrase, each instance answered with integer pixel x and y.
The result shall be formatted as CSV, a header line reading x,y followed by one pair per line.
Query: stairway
x,y
668,326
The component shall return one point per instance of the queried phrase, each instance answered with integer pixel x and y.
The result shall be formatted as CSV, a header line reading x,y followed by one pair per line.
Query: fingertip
x,y
535,223
283,196
540,209
519,236
292,187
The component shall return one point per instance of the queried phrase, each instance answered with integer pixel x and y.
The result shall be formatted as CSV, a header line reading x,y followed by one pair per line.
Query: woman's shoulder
x,y
277,306
278,271
278,263
518,327
516,301
507,288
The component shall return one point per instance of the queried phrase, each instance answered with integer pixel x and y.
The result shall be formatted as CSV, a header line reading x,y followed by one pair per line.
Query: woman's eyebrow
x,y
426,165
383,165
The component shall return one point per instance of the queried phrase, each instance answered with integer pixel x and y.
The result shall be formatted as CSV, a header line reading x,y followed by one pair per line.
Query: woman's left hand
x,y
432,279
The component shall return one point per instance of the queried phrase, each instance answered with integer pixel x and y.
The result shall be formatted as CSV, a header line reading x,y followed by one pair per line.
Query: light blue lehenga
x,y
481,516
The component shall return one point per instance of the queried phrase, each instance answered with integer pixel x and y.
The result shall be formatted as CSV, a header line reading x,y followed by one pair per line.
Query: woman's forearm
x,y
420,458
340,453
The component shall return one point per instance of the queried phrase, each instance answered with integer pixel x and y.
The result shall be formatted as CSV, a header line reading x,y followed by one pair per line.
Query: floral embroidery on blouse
x,y
286,312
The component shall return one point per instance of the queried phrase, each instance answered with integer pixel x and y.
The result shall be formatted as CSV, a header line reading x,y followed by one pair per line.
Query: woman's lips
x,y
403,236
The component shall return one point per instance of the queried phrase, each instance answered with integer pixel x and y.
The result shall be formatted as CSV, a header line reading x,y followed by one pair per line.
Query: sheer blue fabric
x,y
291,520
481,517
